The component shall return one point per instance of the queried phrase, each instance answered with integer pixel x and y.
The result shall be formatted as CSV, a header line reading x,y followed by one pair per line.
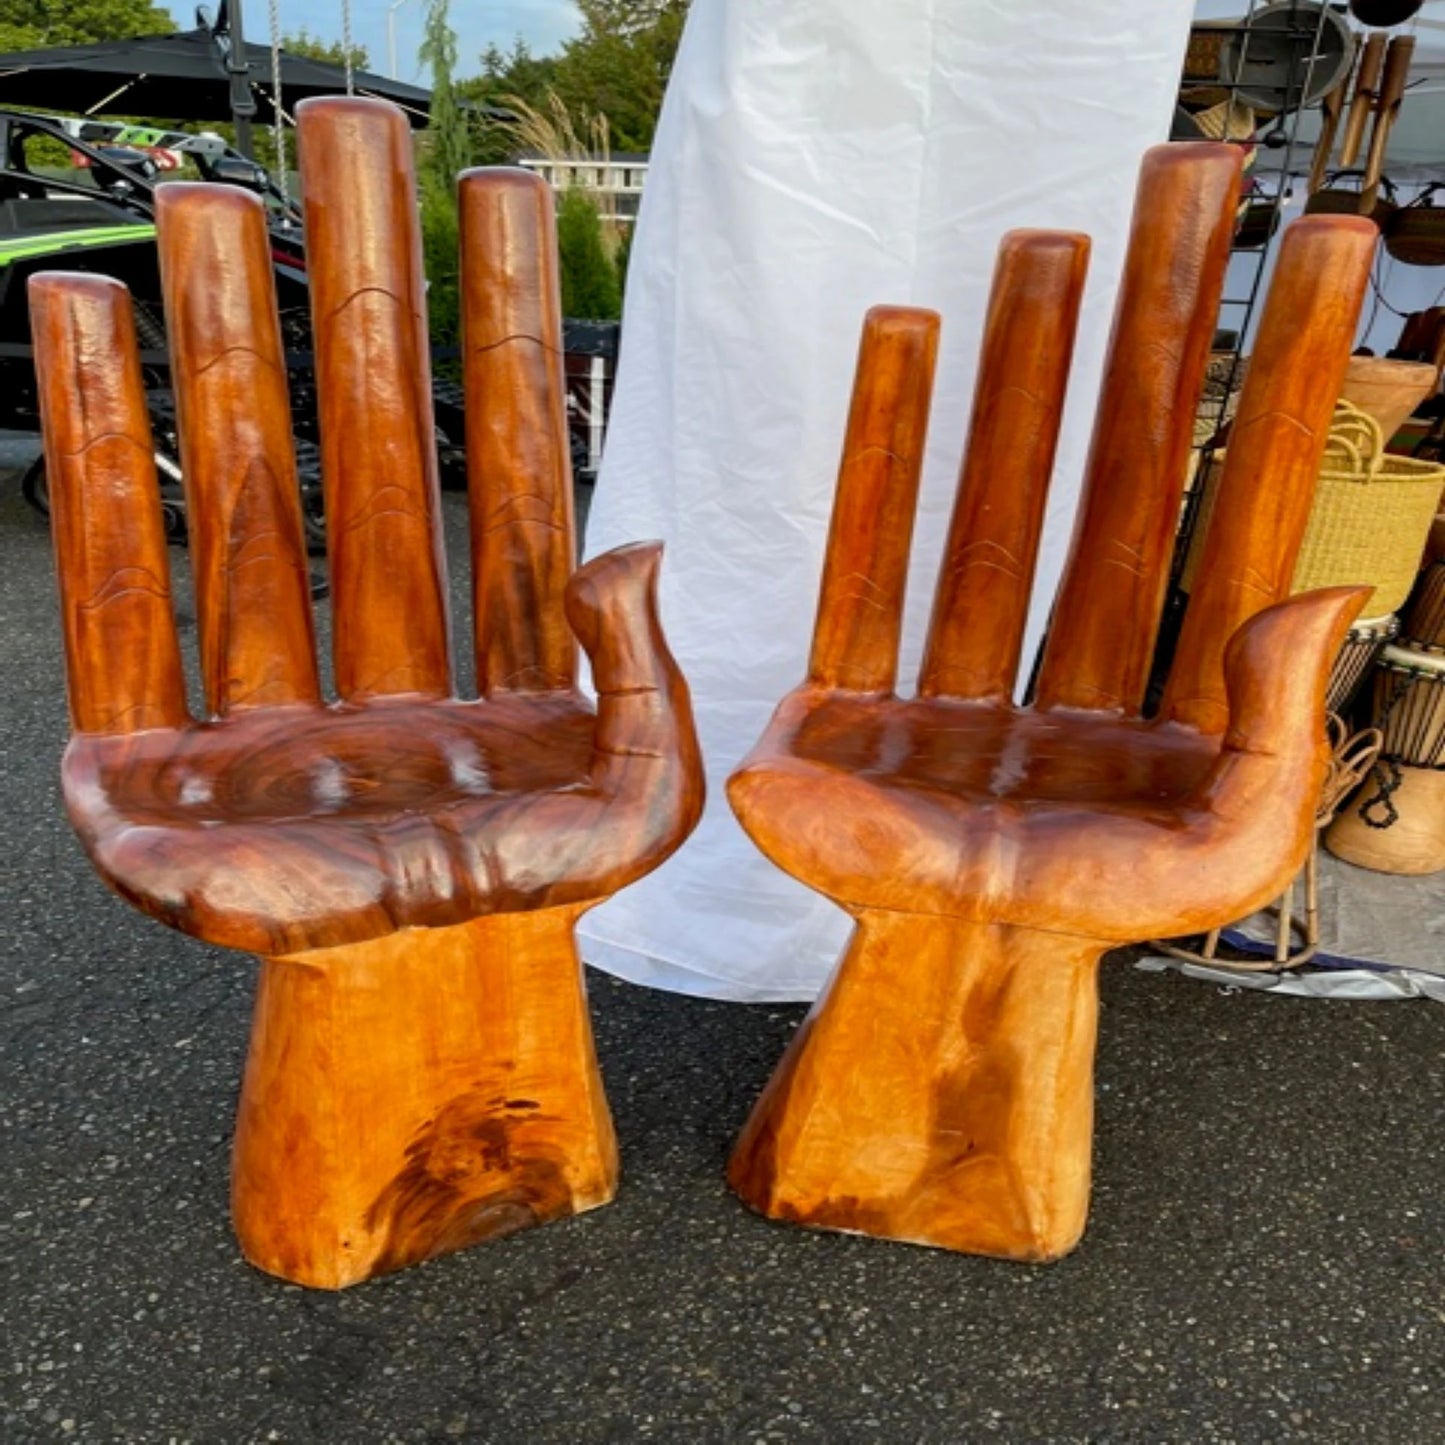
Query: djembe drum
x,y
1362,645
1424,629
1396,823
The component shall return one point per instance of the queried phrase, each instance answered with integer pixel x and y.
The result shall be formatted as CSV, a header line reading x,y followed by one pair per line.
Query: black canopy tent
x,y
184,76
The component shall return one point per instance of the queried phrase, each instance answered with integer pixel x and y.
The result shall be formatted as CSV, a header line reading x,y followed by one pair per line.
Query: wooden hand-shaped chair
x,y
941,1089
409,865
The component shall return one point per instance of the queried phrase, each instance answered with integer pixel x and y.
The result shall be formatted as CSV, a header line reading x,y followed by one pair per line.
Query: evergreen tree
x,y
333,52
30,24
446,150
618,66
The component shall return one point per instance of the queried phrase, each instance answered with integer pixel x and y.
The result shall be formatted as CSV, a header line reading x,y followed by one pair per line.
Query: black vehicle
x,y
80,195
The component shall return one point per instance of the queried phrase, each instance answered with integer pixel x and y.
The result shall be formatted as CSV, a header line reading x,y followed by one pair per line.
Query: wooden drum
x,y
1396,822
1358,652
1424,629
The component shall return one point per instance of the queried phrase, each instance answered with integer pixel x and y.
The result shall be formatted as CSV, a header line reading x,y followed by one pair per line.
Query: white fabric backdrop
x,y
816,157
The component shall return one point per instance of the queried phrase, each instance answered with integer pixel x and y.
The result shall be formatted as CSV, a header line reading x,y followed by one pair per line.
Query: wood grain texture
x,y
405,861
860,604
416,1095
373,372
1106,619
1278,433
1018,404
123,662
518,459
979,1077
940,1092
238,463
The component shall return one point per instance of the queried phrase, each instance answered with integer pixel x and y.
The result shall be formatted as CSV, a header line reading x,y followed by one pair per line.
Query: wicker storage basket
x,y
1371,515
1337,199
1416,235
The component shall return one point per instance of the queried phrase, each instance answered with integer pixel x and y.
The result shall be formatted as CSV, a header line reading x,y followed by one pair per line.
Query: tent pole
x,y
243,104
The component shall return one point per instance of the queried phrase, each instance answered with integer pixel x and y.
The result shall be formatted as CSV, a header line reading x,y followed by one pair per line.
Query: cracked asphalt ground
x,y
1265,1258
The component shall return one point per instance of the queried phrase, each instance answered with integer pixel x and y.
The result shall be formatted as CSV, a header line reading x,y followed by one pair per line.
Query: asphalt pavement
x,y
1265,1258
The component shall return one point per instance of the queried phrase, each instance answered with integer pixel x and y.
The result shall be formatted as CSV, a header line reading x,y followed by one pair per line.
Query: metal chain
x,y
346,44
278,124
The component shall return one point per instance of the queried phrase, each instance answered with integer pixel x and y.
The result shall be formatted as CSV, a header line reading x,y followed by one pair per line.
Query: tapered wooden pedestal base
x,y
417,1094
940,1092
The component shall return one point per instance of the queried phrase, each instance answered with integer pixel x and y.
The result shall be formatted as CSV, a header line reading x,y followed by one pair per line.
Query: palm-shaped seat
x,y
409,864
940,1091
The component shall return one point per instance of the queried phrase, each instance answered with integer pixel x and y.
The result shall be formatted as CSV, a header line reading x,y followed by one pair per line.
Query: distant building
x,y
615,180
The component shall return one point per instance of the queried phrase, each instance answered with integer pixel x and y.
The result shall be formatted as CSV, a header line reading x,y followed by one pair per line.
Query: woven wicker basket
x,y
1371,515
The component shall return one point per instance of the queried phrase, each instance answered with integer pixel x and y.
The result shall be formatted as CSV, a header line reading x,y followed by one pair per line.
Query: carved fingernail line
x,y
238,349
1130,565
482,347
361,291
414,509
1011,569
862,454
1244,424
995,398
144,447
112,589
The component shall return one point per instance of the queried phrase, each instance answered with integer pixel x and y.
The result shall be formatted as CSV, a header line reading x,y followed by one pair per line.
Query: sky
x,y
544,24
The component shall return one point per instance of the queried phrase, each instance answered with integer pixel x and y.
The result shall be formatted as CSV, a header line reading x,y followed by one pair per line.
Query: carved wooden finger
x,y
1106,617
123,665
1276,443
416,1095
248,546
860,609
982,599
518,458
368,304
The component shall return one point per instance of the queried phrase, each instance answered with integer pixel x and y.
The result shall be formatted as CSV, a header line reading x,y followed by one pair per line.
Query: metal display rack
x,y
1299,29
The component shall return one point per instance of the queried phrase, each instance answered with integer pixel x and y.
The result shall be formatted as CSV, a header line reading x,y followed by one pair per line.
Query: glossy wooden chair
x,y
941,1089
409,864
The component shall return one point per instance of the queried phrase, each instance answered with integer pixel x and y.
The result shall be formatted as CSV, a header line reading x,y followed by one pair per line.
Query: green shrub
x,y
590,291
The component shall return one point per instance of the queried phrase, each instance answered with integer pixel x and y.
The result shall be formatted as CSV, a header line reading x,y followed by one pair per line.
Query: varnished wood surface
x,y
518,459
416,1095
1278,433
990,854
248,549
1106,618
122,660
860,604
980,1079
373,376
1018,405
359,840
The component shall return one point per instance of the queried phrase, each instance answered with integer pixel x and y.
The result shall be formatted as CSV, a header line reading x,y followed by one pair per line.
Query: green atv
x,y
79,195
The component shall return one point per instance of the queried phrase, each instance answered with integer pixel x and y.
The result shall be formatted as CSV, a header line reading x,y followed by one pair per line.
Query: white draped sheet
x,y
816,157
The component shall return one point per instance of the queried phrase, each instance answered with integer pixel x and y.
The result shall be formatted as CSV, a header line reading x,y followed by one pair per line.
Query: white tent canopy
x,y
816,157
